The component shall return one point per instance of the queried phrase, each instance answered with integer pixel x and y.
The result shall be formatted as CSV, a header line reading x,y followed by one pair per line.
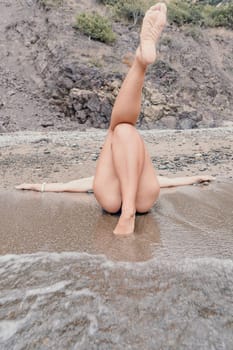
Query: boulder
x,y
90,107
169,122
157,98
186,123
153,112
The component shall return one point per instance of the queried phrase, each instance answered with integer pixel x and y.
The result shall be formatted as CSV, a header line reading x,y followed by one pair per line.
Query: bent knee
x,y
124,130
155,192
112,209
111,204
146,201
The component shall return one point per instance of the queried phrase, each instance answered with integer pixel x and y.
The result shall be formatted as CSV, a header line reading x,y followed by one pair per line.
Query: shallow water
x,y
188,222
169,286
81,301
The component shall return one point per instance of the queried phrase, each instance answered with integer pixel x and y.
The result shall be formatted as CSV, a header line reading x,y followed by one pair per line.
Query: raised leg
x,y
128,102
124,171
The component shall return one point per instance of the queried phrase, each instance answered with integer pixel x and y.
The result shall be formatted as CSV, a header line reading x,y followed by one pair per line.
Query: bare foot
x,y
23,187
125,225
205,178
152,26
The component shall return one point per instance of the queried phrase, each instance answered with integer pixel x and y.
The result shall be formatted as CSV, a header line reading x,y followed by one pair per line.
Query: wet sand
x,y
190,221
67,282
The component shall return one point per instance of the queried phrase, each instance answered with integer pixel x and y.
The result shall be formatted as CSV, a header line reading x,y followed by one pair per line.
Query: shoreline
x,y
17,137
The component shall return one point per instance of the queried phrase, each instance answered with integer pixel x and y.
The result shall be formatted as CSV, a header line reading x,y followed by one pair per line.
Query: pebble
x,y
46,124
11,93
162,167
203,169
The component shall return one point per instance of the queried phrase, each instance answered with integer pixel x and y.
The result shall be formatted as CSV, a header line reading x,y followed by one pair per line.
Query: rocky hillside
x,y
53,76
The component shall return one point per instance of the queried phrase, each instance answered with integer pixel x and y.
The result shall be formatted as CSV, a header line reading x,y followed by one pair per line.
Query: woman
x,y
125,178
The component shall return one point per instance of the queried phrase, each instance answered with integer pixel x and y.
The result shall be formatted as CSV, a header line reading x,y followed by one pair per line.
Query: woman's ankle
x,y
128,211
139,60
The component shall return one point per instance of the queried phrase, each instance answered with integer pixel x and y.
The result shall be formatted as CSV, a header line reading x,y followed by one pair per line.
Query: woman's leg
x,y
128,102
137,179
106,184
123,169
125,177
128,158
128,149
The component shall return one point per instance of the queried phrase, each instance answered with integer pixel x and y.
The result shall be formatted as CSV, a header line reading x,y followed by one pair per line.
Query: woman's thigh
x,y
106,183
148,188
107,187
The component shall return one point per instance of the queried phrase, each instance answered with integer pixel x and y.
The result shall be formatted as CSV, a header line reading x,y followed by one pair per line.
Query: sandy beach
x,y
76,220
188,222
64,156
68,282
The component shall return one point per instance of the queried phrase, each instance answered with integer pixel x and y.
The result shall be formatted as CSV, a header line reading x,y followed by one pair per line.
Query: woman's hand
x,y
205,178
32,187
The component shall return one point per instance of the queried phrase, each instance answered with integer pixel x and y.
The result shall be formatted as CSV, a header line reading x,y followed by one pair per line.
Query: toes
x,y
158,13
159,7
206,178
210,178
155,7
163,8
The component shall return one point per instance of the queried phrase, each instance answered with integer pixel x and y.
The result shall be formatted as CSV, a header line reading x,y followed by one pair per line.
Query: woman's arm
x,y
86,184
81,185
182,181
